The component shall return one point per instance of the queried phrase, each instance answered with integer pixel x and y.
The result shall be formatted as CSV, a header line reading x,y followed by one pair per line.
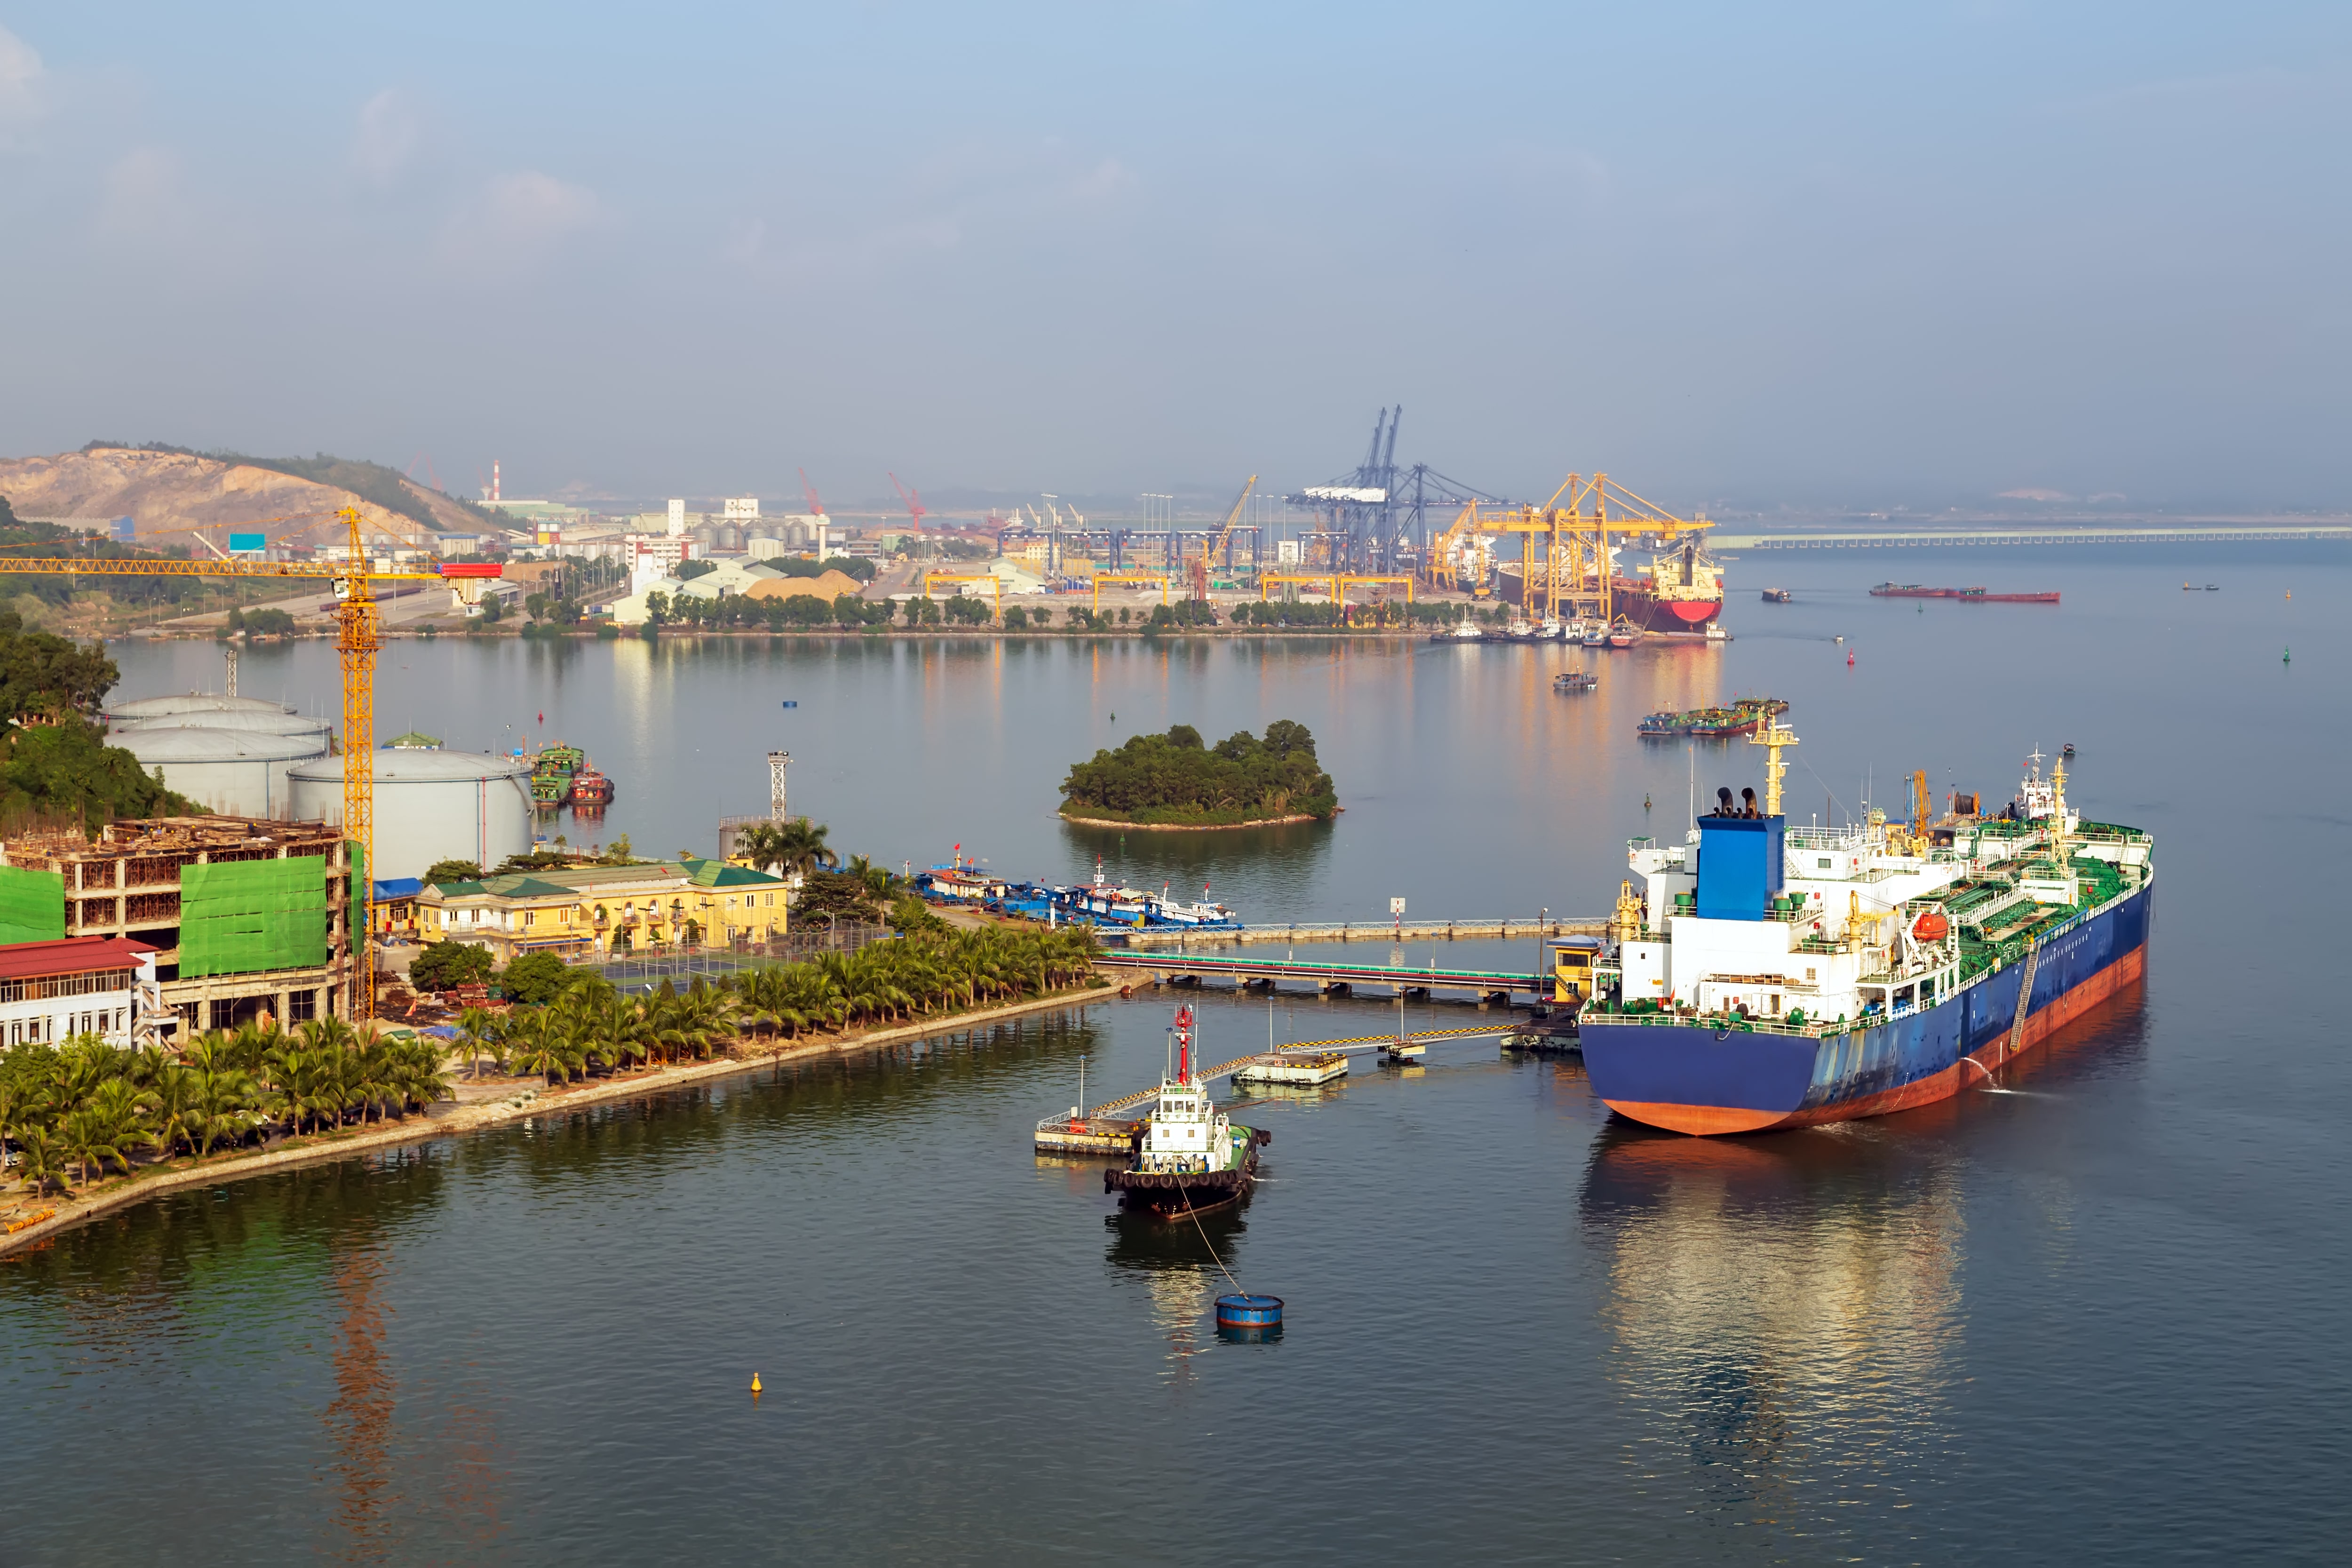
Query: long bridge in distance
x,y
2033,534
1486,986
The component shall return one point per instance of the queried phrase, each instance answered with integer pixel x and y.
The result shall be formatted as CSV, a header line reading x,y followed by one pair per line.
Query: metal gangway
x,y
1308,1048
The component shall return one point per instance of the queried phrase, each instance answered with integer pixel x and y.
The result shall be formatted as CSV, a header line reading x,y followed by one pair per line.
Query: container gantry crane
x,y
358,636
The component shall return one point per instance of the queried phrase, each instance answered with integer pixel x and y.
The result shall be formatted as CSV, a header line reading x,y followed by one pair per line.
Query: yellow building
x,y
606,909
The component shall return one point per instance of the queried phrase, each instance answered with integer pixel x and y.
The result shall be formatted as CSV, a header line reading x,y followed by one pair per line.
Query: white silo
x,y
280,722
429,806
140,708
231,772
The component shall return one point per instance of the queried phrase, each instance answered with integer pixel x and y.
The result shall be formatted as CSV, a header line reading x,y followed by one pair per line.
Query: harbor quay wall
x,y
531,1100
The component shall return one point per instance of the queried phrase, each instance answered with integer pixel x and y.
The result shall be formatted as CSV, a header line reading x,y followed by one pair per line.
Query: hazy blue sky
x,y
1823,256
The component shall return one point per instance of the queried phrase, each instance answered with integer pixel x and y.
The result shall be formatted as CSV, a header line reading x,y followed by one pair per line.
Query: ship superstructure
x,y
1771,975
1191,1157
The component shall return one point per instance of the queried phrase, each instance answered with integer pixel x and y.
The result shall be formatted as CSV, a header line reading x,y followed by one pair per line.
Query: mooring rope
x,y
1204,1234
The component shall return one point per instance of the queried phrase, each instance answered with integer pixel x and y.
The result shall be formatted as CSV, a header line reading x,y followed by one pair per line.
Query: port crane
x,y
1222,545
358,636
915,509
1576,566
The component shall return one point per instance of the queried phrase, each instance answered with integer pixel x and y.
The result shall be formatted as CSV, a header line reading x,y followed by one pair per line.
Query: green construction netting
x,y
250,915
32,905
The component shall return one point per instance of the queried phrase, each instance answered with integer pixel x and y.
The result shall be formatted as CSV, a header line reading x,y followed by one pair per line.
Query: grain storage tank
x,y
280,722
140,707
236,773
429,806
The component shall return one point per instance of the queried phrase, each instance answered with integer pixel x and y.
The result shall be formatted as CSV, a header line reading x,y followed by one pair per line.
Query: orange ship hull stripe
x,y
1715,1120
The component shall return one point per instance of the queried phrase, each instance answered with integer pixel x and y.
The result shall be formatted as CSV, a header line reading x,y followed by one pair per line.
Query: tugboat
x,y
1192,1159
1624,632
1575,680
591,789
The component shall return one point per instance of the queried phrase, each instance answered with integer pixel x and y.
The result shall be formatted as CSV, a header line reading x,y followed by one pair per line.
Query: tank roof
x,y
205,745
251,721
407,765
192,702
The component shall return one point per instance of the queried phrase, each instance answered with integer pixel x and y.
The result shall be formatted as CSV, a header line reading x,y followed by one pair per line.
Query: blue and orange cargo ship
x,y
1775,976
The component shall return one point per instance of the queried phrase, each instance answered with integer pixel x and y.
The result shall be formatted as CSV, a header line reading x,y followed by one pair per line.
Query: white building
x,y
52,991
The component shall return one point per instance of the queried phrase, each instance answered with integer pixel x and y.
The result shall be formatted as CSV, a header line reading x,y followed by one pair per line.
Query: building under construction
x,y
249,917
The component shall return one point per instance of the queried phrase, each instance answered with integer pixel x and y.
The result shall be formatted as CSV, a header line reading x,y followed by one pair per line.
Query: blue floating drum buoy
x,y
1249,1311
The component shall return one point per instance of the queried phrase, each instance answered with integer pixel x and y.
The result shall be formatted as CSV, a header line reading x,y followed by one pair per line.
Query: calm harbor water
x,y
2099,1319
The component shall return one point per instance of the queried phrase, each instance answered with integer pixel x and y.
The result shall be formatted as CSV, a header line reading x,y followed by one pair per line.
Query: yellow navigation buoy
x,y
755,1386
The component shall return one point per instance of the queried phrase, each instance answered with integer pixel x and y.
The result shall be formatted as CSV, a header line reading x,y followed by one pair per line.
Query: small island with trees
x,y
1173,781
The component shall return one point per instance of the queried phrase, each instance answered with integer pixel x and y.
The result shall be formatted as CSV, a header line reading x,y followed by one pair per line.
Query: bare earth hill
x,y
170,495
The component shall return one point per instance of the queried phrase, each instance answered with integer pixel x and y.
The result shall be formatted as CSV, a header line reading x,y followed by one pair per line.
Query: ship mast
x,y
1773,735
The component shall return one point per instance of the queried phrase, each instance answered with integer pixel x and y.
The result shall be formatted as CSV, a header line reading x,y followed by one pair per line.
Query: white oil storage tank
x,y
140,708
429,806
280,722
236,773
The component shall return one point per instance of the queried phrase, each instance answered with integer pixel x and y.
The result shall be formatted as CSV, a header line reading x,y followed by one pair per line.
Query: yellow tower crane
x,y
358,636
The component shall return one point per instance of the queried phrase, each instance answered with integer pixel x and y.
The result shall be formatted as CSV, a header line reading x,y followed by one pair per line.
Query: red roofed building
x,y
51,991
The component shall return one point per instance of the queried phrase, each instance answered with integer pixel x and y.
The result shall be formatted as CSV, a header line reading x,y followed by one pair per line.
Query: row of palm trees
x,y
592,1024
72,1111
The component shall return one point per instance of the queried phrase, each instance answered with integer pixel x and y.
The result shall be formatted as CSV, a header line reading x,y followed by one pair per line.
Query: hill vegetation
x,y
387,488
1175,781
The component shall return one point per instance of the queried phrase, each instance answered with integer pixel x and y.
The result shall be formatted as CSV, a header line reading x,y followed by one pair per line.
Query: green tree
x,y
535,978
442,871
445,965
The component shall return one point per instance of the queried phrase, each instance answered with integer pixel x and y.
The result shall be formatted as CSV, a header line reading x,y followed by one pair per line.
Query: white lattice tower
x,y
777,763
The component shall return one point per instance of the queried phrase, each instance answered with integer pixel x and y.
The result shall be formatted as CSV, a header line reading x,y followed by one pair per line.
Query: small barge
x,y
1968,595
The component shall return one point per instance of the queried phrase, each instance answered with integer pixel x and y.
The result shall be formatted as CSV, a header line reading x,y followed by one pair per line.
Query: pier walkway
x,y
1305,1048
1190,938
1393,979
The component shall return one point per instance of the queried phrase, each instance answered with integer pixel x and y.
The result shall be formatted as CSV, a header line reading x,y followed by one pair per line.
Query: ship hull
x,y
1191,1191
1690,1078
1636,600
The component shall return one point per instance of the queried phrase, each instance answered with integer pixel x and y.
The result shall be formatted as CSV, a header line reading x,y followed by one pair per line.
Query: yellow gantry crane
x,y
358,636
1575,567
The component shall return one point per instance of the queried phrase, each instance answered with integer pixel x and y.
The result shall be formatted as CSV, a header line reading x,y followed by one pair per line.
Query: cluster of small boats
x,y
1744,717
561,775
1099,902
1619,633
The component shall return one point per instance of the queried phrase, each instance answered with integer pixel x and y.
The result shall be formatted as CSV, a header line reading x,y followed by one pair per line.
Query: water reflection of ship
x,y
1179,1272
1789,1303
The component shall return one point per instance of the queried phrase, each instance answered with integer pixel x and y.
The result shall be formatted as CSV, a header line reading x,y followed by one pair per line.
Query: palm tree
x,y
785,847
223,1097
171,1101
40,1157
286,1070
483,1033
92,1139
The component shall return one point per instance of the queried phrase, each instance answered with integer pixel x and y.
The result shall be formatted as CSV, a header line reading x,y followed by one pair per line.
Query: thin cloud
x,y
515,223
391,135
23,86
145,197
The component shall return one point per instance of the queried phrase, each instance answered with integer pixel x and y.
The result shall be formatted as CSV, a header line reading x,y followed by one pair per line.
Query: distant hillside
x,y
170,493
